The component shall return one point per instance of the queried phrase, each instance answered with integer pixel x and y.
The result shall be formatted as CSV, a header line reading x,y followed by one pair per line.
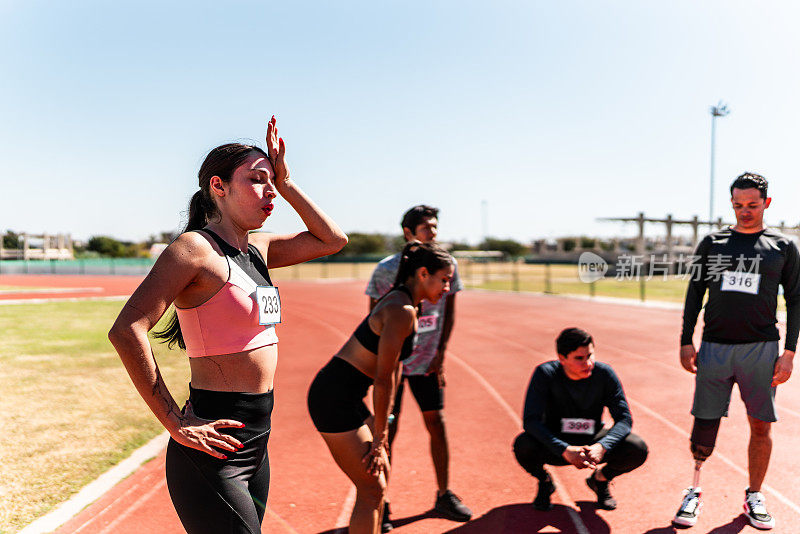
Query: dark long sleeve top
x,y
552,397
742,308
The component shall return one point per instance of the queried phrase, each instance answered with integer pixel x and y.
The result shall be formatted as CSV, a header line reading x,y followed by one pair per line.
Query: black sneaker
x,y
386,523
450,506
756,510
542,500
604,498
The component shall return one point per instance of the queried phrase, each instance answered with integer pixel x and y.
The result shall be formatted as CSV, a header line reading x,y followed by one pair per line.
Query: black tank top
x,y
251,263
370,339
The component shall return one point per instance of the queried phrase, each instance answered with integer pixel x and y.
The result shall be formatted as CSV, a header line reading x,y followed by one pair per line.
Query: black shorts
x,y
336,397
426,391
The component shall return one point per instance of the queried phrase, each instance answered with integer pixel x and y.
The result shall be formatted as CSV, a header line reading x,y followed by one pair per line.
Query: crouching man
x,y
562,421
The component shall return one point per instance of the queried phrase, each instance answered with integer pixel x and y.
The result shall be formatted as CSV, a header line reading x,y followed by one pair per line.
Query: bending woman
x,y
358,440
216,275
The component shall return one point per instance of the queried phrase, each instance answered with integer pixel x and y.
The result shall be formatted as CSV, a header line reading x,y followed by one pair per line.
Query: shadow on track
x,y
737,524
397,522
521,518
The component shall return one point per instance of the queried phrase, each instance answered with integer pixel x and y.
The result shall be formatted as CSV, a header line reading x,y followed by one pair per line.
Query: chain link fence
x,y
550,278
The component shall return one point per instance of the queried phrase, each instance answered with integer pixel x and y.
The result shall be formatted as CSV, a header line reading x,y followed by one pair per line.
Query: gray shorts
x,y
750,365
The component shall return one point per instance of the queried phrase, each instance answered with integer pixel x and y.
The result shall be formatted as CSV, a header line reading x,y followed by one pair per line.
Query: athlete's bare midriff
x,y
245,372
354,353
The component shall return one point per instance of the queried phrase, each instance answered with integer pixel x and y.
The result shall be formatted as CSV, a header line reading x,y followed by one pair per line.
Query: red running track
x,y
498,339
66,286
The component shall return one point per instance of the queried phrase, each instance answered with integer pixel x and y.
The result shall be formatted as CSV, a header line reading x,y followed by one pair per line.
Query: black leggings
x,y
212,495
625,456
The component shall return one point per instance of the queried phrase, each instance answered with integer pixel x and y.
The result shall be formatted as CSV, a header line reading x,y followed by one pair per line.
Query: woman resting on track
x,y
358,440
217,466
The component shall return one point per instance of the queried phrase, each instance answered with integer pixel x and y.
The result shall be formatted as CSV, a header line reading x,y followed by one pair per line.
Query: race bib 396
x,y
577,426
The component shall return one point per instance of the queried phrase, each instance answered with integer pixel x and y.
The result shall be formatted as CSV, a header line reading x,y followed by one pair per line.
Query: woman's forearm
x,y
381,401
136,354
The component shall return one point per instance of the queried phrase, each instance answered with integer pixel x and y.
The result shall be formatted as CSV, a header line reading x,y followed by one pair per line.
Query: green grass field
x,y
70,411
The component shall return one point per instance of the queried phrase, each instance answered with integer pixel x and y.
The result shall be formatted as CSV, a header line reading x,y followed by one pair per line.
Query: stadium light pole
x,y
720,110
485,218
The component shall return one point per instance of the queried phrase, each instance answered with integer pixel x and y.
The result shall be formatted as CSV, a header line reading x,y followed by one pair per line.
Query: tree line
x,y
359,245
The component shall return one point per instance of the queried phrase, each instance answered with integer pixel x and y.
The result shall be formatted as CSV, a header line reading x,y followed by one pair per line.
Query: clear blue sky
x,y
555,113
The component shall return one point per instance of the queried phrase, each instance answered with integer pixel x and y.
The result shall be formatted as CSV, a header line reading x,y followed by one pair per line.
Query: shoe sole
x,y
684,521
760,525
452,517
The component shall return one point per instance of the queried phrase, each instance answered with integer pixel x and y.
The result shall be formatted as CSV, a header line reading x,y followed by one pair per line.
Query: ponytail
x,y
221,161
416,255
200,207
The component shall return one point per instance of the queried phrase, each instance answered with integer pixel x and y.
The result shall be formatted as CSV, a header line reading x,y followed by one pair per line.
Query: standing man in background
x,y
424,370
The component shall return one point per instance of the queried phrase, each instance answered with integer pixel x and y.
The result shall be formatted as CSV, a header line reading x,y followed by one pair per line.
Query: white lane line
x,y
4,302
673,426
680,370
564,495
136,504
280,520
777,494
343,519
51,290
124,495
674,368
347,508
96,489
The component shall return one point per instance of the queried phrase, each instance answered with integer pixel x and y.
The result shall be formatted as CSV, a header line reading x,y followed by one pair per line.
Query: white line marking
x,y
69,299
280,520
778,495
97,488
564,495
347,507
124,495
136,504
680,370
343,519
51,290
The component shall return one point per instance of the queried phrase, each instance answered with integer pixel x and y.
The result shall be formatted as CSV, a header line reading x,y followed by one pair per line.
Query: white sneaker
x,y
756,510
690,507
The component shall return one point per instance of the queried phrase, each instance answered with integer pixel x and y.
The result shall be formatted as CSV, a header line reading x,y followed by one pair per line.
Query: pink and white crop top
x,y
228,322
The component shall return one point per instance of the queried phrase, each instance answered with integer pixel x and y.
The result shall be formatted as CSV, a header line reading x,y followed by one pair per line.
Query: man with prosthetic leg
x,y
741,267
563,421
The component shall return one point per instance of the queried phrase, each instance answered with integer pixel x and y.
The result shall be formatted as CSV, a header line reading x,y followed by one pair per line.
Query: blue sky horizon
x,y
553,114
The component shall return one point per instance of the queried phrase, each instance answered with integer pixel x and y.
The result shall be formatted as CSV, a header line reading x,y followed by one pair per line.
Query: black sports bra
x,y
370,339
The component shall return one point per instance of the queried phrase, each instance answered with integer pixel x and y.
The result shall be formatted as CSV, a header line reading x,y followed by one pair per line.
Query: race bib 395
x,y
427,323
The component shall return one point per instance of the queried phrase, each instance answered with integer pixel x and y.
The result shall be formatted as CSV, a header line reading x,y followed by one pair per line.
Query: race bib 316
x,y
739,281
